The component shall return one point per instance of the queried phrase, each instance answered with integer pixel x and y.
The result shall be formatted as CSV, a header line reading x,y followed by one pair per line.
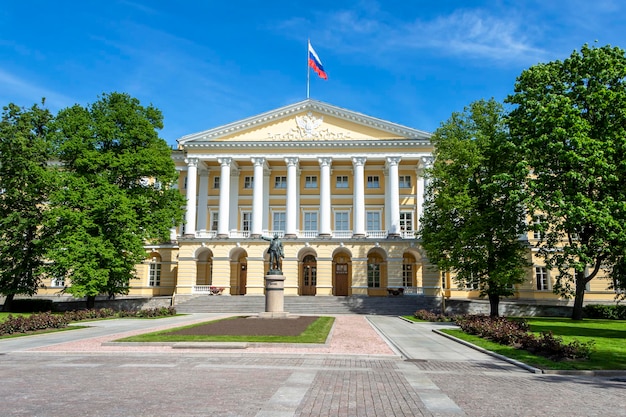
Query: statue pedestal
x,y
274,296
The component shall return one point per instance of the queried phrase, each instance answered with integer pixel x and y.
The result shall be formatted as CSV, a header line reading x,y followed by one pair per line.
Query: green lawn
x,y
609,337
317,332
3,316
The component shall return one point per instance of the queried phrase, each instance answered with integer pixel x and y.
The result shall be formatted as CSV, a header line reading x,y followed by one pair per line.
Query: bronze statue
x,y
276,252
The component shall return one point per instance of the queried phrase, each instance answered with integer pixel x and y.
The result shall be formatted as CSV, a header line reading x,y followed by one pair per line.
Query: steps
x,y
395,306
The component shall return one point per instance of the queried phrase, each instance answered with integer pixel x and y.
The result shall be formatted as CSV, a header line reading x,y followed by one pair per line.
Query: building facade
x,y
344,192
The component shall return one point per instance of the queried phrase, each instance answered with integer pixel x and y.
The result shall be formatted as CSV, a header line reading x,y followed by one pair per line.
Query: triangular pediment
x,y
309,120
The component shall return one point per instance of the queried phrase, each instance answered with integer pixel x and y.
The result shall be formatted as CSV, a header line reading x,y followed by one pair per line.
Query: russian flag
x,y
316,63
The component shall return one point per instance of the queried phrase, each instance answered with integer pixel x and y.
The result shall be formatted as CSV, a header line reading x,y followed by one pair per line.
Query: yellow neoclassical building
x,y
344,191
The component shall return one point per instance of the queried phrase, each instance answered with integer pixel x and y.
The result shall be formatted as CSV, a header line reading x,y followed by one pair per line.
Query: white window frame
x,y
342,220
279,220
214,221
406,225
154,273
246,221
342,181
280,182
368,221
404,181
57,282
373,181
216,182
248,182
542,278
310,181
308,218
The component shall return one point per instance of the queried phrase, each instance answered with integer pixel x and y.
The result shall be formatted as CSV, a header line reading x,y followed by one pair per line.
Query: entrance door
x,y
341,279
309,275
243,278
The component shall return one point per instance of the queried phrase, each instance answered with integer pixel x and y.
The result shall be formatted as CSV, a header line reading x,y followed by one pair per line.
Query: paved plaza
x,y
419,374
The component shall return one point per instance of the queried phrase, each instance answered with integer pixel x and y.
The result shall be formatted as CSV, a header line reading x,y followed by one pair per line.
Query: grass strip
x,y
609,349
317,332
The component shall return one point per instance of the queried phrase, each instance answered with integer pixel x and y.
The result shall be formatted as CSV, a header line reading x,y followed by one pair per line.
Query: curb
x,y
488,352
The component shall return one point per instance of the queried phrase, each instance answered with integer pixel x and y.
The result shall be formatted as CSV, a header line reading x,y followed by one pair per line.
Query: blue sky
x,y
208,63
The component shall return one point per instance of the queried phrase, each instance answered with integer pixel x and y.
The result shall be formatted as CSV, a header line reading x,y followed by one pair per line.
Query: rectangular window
x,y
342,181
472,283
373,181
248,182
246,221
214,220
280,182
373,220
216,183
443,280
536,232
342,220
310,181
58,282
373,275
406,221
404,181
278,221
155,275
541,278
310,221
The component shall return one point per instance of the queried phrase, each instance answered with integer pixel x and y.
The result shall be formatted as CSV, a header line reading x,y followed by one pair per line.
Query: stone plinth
x,y
274,294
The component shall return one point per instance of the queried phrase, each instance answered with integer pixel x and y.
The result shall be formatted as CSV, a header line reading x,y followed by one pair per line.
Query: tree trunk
x,y
577,312
8,302
494,305
91,301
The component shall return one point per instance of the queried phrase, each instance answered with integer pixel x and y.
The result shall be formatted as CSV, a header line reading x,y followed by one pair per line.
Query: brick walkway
x,y
439,379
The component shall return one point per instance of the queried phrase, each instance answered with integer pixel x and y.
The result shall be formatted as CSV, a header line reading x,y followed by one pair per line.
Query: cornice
x,y
306,105
387,143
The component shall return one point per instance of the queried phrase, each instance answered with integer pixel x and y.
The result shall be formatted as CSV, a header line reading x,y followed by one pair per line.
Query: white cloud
x,y
26,93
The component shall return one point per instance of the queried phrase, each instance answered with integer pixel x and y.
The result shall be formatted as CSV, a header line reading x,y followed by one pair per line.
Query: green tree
x,y
25,183
474,214
570,121
115,193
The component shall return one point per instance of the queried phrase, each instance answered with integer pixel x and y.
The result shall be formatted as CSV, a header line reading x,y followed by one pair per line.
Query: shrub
x,y
603,311
515,333
430,316
34,322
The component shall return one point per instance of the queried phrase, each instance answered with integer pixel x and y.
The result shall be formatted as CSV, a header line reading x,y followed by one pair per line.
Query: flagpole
x,y
308,69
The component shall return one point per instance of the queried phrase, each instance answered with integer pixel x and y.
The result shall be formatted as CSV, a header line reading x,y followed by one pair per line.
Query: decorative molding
x,y
308,105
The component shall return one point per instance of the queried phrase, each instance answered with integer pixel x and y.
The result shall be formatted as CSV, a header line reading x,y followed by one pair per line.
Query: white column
x,y
359,196
426,162
173,232
325,228
224,204
190,215
394,196
203,198
291,220
257,196
234,197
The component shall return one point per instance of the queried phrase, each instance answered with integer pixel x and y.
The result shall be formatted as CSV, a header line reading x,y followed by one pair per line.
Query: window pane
x,y
342,220
279,220
373,220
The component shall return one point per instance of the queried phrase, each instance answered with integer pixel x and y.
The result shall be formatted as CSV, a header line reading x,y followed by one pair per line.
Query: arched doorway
x,y
376,272
342,271
238,272
308,275
204,267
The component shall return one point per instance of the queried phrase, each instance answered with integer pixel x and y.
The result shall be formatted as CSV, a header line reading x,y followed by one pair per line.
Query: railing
x,y
376,234
206,233
413,290
305,234
207,289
